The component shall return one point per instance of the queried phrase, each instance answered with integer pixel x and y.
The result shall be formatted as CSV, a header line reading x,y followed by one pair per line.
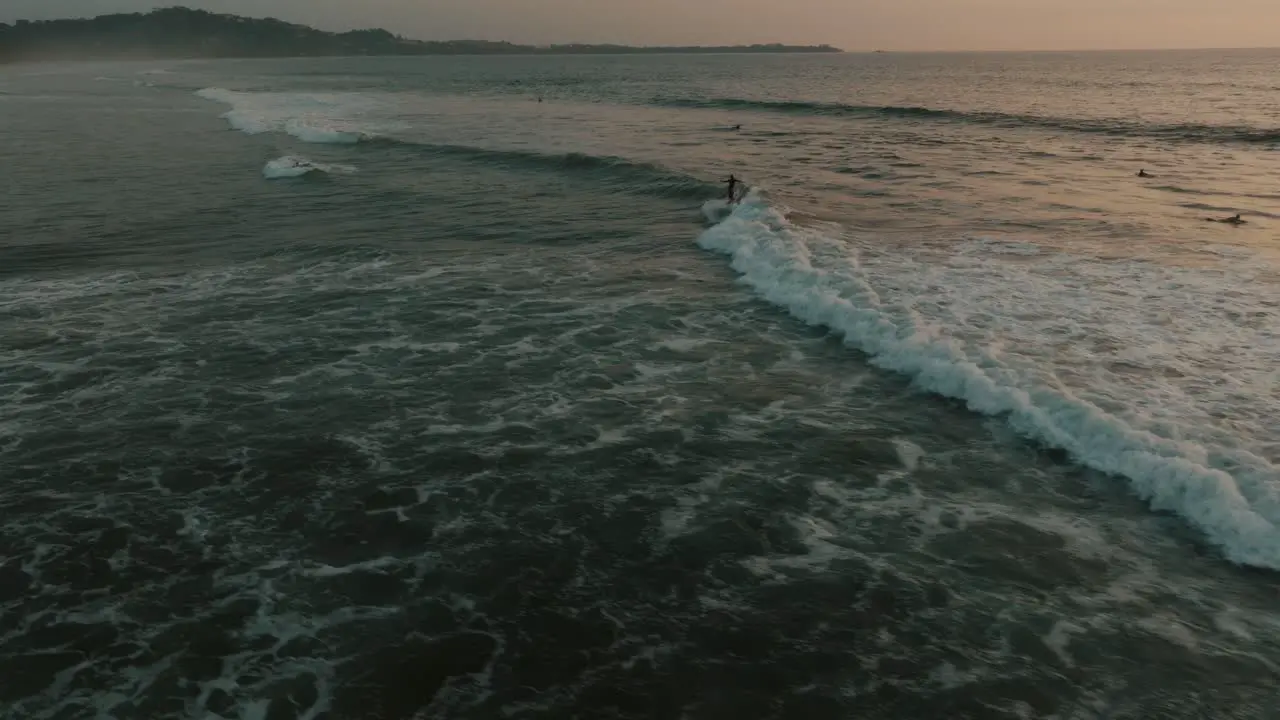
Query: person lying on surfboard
x,y
1234,220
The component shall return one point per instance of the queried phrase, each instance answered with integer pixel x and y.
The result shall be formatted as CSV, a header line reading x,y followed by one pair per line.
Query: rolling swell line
x,y
1229,134
618,173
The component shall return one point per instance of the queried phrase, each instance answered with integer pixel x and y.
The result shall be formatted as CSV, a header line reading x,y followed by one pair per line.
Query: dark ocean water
x,y
375,388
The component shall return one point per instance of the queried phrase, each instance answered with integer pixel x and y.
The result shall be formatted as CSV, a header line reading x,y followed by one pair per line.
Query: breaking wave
x,y
1231,495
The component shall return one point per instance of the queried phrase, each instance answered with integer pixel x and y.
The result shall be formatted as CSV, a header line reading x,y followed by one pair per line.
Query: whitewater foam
x,y
322,135
311,118
1231,495
294,166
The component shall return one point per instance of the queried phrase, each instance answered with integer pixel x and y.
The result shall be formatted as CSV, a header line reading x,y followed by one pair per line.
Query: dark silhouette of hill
x,y
184,33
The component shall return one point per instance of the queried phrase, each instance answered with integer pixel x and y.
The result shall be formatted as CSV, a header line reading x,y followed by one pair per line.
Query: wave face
x,y
610,172
1231,496
1118,128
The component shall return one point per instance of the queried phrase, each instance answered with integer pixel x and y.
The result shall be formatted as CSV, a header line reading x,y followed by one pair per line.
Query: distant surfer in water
x,y
733,188
1143,173
1233,220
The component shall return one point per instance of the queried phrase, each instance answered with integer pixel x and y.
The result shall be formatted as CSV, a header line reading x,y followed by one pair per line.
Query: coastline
x,y
184,34
531,53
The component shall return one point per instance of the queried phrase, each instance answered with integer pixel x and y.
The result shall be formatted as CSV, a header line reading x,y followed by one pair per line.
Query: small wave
x,y
293,166
618,173
1229,209
1113,127
1220,193
1206,206
813,277
1000,247
311,133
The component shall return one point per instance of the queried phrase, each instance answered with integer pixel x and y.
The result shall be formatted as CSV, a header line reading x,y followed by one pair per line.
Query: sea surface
x,y
387,388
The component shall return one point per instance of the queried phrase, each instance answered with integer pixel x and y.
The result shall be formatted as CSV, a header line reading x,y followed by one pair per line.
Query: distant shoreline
x,y
342,56
141,57
184,34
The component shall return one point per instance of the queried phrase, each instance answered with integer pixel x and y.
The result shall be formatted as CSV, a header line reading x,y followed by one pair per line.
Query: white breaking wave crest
x,y
292,166
716,210
312,118
1170,450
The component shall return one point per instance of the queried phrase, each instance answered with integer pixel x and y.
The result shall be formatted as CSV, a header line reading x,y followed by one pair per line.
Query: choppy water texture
x,y
377,388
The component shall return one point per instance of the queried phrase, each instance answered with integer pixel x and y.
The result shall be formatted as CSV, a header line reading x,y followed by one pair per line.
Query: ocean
x,y
450,387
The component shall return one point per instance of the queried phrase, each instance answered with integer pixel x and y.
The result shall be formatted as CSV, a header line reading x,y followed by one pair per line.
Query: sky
x,y
849,24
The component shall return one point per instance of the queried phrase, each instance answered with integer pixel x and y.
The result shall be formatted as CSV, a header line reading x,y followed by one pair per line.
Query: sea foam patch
x,y
329,119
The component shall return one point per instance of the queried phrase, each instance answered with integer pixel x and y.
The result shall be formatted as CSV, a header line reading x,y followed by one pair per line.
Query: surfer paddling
x,y
1233,220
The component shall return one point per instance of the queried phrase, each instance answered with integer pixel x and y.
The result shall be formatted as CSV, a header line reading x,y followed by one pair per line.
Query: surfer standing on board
x,y
733,188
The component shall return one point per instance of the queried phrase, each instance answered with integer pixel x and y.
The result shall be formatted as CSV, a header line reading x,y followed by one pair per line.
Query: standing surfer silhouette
x,y
733,189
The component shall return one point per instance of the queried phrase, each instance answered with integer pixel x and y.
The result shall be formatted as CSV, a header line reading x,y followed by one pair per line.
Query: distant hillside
x,y
184,33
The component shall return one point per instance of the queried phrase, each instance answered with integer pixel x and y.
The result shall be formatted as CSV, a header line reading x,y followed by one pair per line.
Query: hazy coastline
x,y
181,33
